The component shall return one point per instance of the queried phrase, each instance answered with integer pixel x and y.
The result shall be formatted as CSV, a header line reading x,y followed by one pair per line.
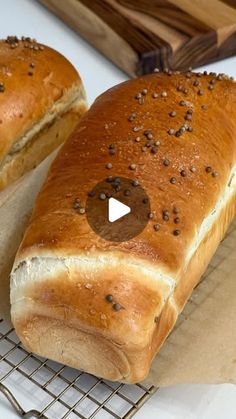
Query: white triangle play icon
x,y
116,210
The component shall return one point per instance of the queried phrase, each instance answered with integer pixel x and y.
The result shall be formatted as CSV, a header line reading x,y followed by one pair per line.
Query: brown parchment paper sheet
x,y
16,203
202,346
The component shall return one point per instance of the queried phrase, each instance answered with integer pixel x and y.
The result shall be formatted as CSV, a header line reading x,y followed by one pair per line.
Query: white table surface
x,y
29,18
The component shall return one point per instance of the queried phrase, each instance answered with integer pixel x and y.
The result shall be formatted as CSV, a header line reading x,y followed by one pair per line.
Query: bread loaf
x,y
41,100
107,307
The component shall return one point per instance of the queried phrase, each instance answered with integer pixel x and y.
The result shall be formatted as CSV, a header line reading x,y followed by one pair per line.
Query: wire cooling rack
x,y
52,391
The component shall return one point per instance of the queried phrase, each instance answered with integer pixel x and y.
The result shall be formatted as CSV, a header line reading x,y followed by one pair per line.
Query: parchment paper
x,y
16,203
202,347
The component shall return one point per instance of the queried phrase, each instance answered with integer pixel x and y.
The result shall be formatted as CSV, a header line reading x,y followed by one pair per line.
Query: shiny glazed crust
x,y
38,86
63,271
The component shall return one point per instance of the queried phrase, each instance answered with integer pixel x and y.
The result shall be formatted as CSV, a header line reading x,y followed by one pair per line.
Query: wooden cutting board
x,y
139,35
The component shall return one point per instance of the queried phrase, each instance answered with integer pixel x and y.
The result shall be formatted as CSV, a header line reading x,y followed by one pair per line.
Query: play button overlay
x,y
118,208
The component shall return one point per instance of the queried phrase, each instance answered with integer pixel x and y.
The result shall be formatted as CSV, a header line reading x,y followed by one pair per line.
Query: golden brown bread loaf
x,y
185,158
41,100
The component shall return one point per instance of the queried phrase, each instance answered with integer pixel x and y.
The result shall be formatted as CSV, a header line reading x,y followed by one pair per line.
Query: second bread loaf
x,y
41,100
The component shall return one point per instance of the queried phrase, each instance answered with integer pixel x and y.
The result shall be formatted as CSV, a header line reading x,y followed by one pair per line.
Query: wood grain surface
x,y
139,35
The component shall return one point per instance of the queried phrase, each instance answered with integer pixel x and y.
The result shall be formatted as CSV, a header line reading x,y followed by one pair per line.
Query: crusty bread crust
x,y
63,271
42,144
37,85
62,315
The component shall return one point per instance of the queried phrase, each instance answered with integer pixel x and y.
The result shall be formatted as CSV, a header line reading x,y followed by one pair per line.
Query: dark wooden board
x,y
139,35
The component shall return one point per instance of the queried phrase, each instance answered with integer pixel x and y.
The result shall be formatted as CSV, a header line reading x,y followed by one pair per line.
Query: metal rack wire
x,y
58,391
